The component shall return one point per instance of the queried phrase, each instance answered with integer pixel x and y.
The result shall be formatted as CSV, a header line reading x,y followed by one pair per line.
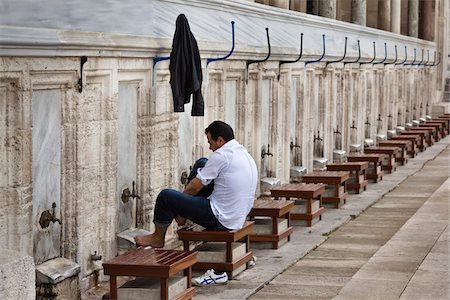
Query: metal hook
x,y
249,62
414,60
393,63
385,56
83,60
439,60
359,56
323,54
293,61
374,55
420,60
428,58
342,58
406,58
209,60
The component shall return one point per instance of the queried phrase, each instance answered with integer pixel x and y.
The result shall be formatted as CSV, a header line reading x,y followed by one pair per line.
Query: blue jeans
x,y
171,203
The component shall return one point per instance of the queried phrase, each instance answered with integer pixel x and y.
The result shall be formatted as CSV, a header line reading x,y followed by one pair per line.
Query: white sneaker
x,y
210,278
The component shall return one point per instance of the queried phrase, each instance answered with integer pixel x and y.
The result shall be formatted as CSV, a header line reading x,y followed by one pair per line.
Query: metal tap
x,y
47,217
126,195
318,138
292,145
264,153
353,125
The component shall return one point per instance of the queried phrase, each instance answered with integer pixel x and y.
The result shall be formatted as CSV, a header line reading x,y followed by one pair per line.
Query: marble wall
x,y
80,150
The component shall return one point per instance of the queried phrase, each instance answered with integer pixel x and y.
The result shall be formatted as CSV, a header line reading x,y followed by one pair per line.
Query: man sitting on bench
x,y
226,207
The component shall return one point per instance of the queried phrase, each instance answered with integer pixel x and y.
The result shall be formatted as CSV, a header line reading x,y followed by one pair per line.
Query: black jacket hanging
x,y
185,69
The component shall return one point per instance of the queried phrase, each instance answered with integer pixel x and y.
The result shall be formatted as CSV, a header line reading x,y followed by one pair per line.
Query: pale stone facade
x,y
80,150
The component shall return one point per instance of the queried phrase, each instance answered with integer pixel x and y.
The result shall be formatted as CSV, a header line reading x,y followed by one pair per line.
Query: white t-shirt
x,y
235,177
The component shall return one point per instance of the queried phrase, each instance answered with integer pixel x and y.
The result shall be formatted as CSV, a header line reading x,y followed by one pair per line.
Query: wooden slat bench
x,y
227,237
155,263
275,209
402,156
310,192
442,126
447,124
425,138
389,163
433,130
335,179
358,173
415,143
375,170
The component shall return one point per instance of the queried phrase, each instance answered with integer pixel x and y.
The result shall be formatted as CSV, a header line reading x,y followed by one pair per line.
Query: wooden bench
x,y
389,163
433,130
310,192
375,170
358,173
442,126
402,156
447,122
154,263
415,143
425,138
334,179
274,209
228,237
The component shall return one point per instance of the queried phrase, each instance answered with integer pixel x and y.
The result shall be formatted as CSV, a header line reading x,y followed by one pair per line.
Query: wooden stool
x,y
358,173
415,142
227,237
425,138
375,170
389,163
442,126
156,263
402,156
434,132
310,192
338,180
275,209
446,124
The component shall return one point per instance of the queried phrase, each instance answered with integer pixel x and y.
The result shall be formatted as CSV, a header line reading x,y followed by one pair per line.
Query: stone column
x,y
384,15
359,12
396,8
427,20
280,3
327,8
413,18
299,5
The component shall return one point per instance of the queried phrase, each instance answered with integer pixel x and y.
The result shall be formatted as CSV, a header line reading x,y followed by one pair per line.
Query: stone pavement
x,y
389,242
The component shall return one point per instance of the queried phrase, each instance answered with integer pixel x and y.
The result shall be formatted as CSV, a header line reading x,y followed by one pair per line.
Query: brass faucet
x,y
126,195
264,153
47,217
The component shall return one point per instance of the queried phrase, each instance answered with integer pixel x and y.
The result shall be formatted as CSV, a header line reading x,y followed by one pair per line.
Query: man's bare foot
x,y
149,240
180,220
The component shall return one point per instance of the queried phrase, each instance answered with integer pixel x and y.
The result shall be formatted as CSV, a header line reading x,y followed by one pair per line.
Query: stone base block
x,y
330,191
354,179
296,173
17,275
216,252
355,147
368,142
268,183
415,123
149,288
339,156
263,225
381,137
400,129
320,163
300,206
391,133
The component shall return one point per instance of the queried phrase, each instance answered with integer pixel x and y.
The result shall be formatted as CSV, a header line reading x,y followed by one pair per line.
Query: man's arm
x,y
193,187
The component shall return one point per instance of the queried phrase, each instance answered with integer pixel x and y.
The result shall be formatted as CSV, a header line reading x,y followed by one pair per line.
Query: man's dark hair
x,y
219,128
